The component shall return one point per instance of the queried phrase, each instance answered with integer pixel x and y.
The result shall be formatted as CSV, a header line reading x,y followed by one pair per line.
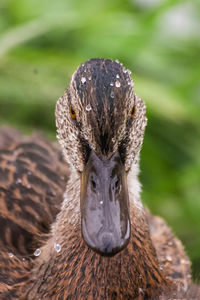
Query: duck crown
x,y
100,111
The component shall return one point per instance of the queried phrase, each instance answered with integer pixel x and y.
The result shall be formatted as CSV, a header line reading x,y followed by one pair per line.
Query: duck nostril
x,y
116,184
93,184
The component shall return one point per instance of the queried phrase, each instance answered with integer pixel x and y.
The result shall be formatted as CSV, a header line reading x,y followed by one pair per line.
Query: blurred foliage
x,y
42,43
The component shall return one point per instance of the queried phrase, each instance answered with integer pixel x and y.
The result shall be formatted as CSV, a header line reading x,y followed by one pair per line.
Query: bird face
x,y
100,123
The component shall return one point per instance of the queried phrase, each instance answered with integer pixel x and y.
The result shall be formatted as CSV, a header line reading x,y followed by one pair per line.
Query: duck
x,y
73,222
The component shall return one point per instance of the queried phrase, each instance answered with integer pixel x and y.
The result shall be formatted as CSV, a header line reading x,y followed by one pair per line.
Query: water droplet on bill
x,y
10,254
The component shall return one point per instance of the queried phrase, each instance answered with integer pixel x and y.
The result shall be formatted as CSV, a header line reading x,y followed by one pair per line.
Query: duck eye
x,y
72,113
133,111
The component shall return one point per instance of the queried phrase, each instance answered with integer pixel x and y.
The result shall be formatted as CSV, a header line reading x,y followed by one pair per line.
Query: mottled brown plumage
x,y
99,112
31,188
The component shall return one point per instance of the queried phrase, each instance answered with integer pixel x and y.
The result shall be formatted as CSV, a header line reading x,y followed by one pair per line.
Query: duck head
x,y
100,124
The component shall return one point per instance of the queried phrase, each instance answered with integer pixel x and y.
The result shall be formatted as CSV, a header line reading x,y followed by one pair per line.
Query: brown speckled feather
x,y
31,190
83,274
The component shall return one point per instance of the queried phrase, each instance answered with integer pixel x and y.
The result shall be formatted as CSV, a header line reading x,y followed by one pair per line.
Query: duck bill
x,y
105,221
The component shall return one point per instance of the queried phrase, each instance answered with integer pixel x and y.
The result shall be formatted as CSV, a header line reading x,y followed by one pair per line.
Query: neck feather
x,y
134,272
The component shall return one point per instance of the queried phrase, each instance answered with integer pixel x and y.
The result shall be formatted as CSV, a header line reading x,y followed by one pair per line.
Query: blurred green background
x,y
43,41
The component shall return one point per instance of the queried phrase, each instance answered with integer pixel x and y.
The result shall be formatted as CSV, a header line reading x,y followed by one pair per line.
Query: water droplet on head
x,y
88,107
183,261
111,84
57,247
89,77
185,287
83,79
113,140
168,258
117,84
37,252
101,202
112,94
18,181
117,76
10,254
